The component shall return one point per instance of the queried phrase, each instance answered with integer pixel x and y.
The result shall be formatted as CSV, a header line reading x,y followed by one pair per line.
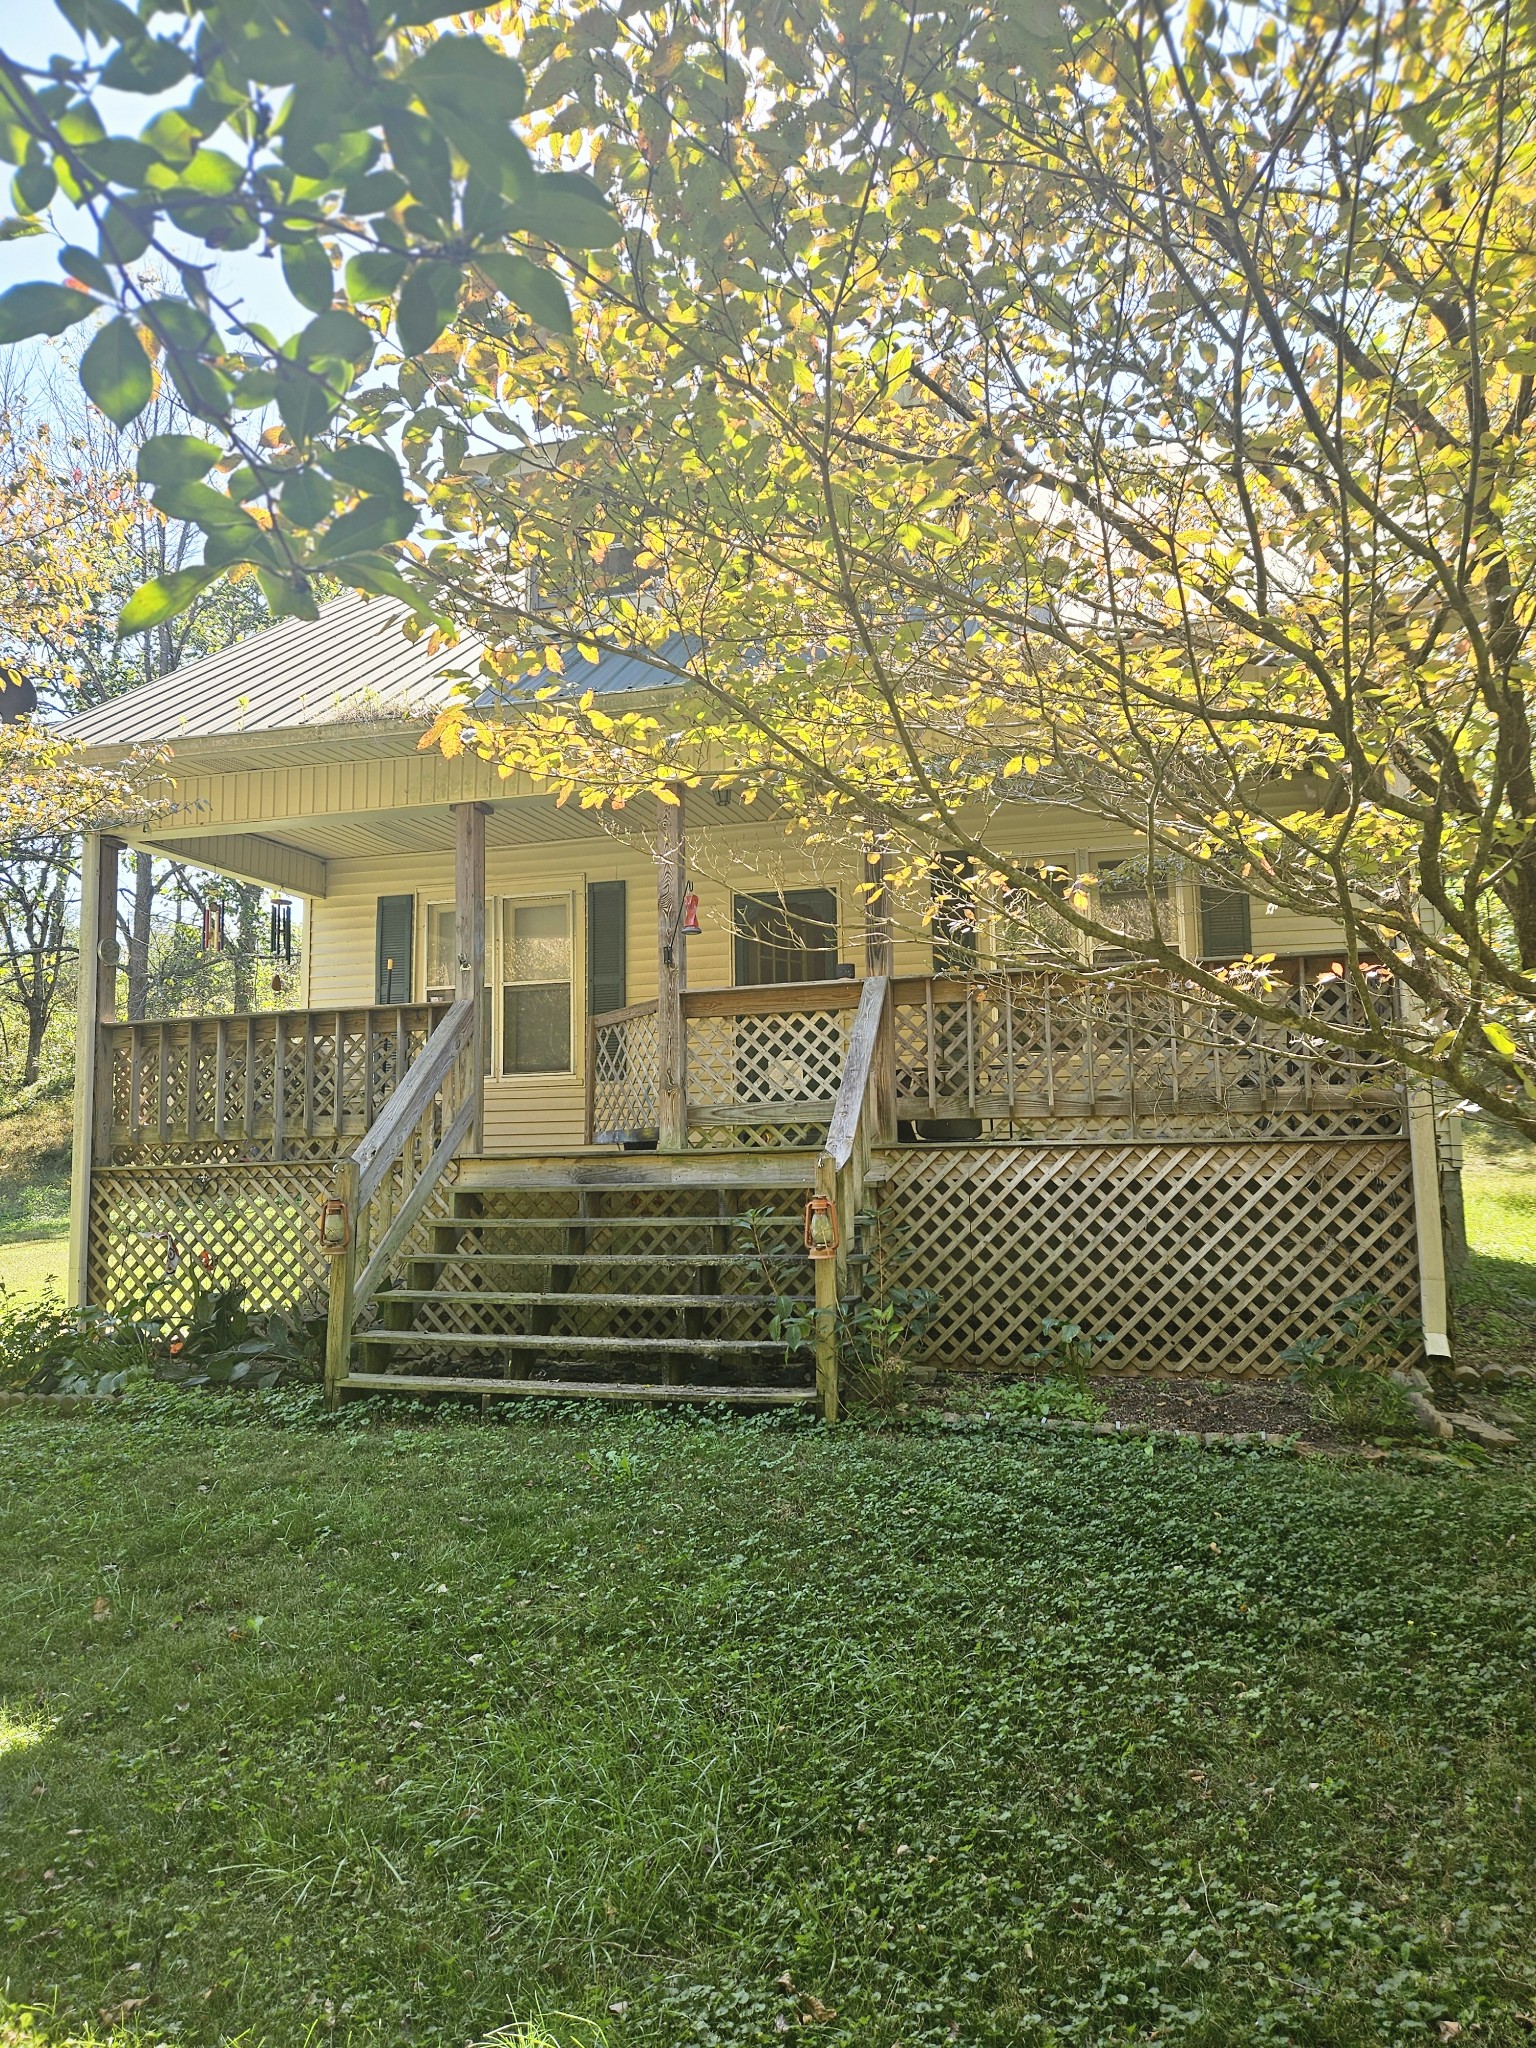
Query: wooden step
x,y
618,1222
549,1256
701,1169
573,1297
416,1384
482,1340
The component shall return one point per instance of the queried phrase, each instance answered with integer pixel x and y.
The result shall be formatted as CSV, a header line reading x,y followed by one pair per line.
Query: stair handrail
x,y
435,1103
863,1111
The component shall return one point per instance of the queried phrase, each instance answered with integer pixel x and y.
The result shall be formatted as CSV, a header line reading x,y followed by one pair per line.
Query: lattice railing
x,y
286,1084
1197,1259
160,1235
1049,1054
623,1069
766,1063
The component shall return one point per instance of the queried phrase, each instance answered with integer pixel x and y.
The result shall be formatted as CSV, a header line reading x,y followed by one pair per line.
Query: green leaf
x,y
537,291
155,602
375,523
429,299
375,573
307,497
305,401
365,466
28,309
200,505
116,373
470,76
377,192
307,269
568,211
20,227
176,459
146,64
1500,1040
87,269
123,237
337,334
373,277
33,187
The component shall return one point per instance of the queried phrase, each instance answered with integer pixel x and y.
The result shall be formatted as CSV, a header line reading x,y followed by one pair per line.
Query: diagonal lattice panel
x,y
1198,1258
161,1235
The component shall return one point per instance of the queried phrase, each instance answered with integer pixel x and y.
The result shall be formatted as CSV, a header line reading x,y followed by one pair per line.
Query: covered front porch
x,y
1014,1142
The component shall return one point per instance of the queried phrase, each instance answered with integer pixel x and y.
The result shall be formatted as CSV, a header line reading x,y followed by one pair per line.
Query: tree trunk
x,y
37,1031
138,935
247,941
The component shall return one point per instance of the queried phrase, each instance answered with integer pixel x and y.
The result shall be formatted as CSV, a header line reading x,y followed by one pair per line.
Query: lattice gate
x,y
1200,1258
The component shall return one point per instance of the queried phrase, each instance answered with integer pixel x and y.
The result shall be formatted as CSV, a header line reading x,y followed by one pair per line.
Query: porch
x,y
1019,1143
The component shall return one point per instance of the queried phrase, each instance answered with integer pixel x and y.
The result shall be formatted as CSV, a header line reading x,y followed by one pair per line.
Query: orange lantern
x,y
335,1225
821,1239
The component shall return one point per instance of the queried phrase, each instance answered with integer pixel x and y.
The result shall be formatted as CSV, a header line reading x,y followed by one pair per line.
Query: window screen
x,y
789,936
393,931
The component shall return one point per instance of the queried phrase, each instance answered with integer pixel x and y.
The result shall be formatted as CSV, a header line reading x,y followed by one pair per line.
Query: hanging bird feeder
x,y
821,1239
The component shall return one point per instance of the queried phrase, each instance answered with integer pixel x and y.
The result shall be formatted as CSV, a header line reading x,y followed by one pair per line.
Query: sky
x,y
32,31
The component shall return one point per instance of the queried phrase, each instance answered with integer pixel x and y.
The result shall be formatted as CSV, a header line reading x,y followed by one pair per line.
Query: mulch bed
x,y
1205,1407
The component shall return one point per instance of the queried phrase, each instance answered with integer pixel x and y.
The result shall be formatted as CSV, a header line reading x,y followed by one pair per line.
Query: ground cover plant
x,y
387,1732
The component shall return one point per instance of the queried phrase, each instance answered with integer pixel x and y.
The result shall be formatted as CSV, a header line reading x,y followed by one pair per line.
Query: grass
x,y
1495,1293
700,1733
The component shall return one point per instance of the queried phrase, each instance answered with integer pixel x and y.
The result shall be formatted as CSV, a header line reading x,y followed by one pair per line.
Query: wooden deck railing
x,y
1041,1051
283,1084
386,1182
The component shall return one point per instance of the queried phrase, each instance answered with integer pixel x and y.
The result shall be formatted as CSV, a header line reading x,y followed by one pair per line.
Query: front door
x,y
790,935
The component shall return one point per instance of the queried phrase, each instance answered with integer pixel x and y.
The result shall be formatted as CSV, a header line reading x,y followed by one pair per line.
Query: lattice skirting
x,y
160,1235
1200,1258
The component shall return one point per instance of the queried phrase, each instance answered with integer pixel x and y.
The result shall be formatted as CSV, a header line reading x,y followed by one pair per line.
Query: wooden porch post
x,y
469,942
96,1007
879,932
671,977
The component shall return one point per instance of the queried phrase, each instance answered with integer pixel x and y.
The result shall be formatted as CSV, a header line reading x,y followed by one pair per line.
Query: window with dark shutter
x,y
607,948
1226,924
393,929
788,936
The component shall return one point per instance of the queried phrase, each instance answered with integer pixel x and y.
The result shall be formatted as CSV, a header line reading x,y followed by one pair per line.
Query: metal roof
x,y
352,665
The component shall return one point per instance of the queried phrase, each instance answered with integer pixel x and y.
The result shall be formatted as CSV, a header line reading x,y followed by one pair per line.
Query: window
x,y
536,987
442,954
789,936
1122,894
1226,924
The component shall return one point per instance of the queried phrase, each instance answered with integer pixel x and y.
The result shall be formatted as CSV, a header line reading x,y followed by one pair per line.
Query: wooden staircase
x,y
638,1277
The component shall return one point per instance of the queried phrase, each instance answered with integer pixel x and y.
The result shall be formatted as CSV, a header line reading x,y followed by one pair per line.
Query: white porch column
x,y
1424,1152
469,940
671,977
96,1006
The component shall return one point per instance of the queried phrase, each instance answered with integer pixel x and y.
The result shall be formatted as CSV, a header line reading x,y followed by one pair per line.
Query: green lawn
x,y
395,1733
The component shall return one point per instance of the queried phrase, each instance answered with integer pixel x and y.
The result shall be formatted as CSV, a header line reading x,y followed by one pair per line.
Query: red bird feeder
x,y
690,925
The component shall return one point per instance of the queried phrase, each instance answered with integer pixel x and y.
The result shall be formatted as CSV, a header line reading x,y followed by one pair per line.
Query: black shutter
x,y
1226,924
392,949
607,948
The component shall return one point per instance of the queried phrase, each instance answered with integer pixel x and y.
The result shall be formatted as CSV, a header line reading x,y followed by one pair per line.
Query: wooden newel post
x,y
342,1284
469,943
671,976
829,1291
96,1009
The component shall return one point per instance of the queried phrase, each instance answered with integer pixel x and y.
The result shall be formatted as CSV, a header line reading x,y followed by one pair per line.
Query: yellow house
x,y
530,1131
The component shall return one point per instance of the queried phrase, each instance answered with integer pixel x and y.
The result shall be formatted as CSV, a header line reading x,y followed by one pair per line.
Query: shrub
x,y
46,1348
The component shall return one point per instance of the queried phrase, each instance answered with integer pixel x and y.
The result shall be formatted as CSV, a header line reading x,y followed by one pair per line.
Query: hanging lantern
x,y
690,926
821,1239
335,1225
213,927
